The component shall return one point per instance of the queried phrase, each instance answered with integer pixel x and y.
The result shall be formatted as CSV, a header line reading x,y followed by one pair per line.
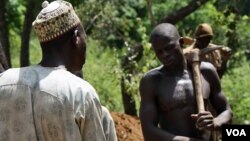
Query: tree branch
x,y
184,11
150,13
29,17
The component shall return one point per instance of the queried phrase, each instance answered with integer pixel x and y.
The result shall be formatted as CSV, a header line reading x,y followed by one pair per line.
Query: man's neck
x,y
199,46
52,60
177,71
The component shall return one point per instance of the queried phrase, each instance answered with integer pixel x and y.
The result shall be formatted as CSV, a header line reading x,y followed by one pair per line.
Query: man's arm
x,y
149,115
108,125
88,117
217,99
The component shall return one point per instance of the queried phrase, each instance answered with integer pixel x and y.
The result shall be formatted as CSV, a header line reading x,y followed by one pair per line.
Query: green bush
x,y
102,71
236,86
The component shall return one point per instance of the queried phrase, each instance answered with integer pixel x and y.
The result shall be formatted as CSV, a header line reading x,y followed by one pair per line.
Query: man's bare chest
x,y
175,93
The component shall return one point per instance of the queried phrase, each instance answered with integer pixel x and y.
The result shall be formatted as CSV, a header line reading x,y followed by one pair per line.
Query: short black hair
x,y
164,30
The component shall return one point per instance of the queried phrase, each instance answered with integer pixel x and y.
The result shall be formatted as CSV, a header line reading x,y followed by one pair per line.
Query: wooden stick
x,y
197,81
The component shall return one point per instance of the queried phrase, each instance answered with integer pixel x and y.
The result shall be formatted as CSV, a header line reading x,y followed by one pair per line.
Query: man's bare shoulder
x,y
208,70
153,73
207,66
149,82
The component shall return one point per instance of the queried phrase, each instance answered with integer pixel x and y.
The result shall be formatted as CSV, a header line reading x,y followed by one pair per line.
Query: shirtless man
x,y
168,104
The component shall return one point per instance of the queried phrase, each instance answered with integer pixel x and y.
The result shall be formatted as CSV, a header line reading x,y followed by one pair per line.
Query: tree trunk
x,y
127,98
4,33
134,54
3,61
150,13
183,12
29,17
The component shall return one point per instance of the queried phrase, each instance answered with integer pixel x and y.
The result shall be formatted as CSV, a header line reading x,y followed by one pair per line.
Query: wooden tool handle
x,y
198,86
197,81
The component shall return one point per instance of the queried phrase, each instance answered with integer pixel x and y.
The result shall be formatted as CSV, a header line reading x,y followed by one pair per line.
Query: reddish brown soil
x,y
128,128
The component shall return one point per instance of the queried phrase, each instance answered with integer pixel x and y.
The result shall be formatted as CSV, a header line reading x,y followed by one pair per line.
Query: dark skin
x,y
68,50
203,42
168,105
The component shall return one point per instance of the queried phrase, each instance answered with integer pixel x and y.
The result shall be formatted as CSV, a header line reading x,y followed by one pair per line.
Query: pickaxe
x,y
195,60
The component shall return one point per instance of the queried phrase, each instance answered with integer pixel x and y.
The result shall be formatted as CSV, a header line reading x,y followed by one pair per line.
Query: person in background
x,y
168,109
202,39
46,102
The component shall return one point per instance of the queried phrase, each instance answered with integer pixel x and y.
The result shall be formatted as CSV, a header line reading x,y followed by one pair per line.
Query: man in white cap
x,y
46,102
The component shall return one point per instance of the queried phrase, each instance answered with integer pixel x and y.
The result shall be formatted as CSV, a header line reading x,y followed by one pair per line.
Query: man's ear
x,y
76,38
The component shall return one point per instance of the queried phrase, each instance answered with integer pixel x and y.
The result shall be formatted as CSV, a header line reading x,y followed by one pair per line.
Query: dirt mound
x,y
128,128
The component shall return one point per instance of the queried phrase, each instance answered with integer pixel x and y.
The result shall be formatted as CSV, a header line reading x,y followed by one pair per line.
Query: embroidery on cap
x,y
55,19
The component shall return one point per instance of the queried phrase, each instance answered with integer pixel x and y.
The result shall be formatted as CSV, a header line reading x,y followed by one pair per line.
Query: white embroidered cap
x,y
55,19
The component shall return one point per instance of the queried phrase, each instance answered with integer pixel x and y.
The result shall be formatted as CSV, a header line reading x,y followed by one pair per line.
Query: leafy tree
x,y
114,24
25,37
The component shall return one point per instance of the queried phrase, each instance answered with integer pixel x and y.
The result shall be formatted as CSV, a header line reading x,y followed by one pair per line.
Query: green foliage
x,y
164,7
113,22
206,14
236,86
35,50
241,7
116,24
15,14
15,48
101,70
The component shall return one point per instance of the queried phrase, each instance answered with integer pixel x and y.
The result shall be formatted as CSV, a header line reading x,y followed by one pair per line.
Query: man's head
x,y
61,34
203,35
165,41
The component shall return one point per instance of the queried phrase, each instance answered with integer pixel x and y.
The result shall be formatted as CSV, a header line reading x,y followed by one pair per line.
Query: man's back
x,y
39,103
